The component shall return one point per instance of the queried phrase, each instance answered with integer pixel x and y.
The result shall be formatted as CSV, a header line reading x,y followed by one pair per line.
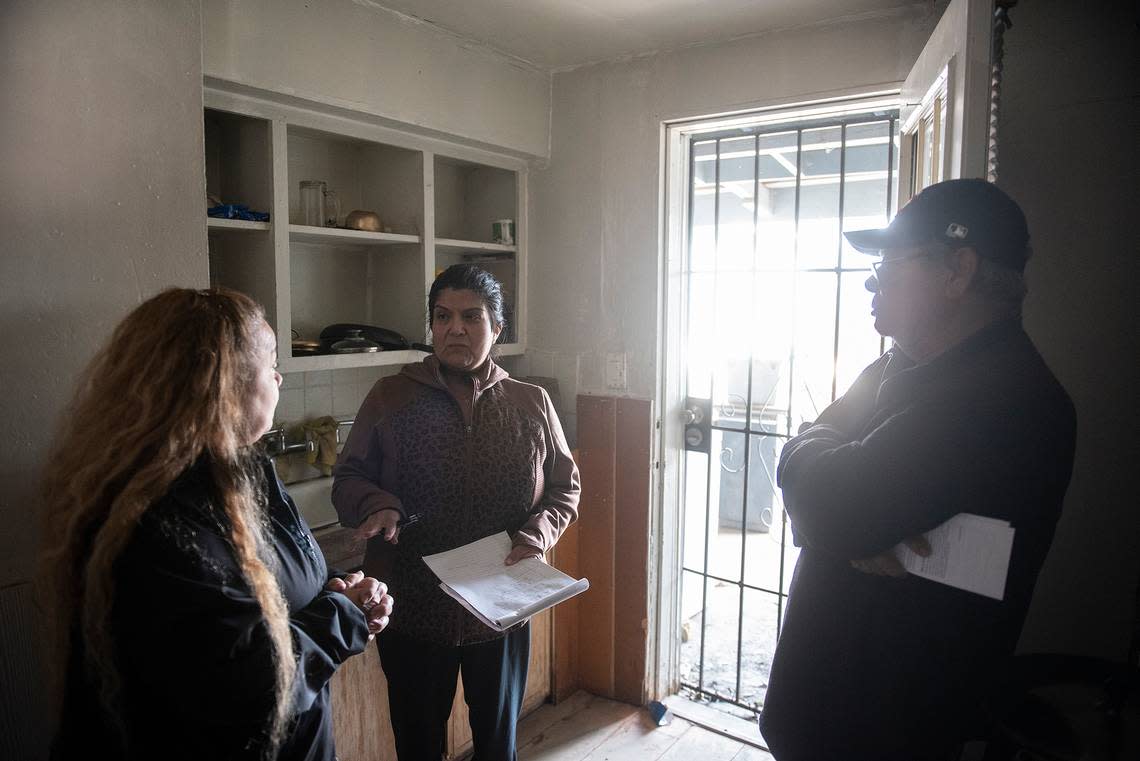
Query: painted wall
x,y
101,206
594,208
1068,153
356,54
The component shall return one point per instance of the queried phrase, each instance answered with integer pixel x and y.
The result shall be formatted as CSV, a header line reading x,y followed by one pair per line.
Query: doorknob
x,y
696,417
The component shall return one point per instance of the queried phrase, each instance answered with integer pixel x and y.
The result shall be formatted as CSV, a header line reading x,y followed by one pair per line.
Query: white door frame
x,y
666,519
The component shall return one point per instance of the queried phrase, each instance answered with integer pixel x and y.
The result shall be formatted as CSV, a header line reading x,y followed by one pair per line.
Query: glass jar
x,y
312,202
332,209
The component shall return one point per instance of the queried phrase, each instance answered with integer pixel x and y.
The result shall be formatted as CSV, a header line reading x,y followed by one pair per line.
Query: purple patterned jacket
x,y
412,448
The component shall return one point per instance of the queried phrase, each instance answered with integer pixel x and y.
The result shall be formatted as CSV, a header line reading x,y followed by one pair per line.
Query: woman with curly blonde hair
x,y
192,613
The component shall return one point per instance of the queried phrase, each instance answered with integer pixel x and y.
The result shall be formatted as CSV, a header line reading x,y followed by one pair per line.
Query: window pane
x,y
776,202
695,513
771,340
758,647
692,630
815,345
762,556
819,198
737,188
721,632
726,494
731,346
702,212
865,185
700,354
858,340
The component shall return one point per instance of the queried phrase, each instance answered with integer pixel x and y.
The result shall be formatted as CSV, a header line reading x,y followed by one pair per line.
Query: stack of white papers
x,y
970,552
501,595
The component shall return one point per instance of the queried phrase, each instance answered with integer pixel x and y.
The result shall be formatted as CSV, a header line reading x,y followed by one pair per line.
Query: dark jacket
x,y
507,468
874,667
191,643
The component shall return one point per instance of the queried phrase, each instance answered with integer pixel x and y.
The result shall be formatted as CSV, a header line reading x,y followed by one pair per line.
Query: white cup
x,y
503,231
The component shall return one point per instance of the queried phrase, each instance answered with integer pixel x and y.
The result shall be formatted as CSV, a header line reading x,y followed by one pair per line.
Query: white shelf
x,y
341,361
238,225
474,245
342,237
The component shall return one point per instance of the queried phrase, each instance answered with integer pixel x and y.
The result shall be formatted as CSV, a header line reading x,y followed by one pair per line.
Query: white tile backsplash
x,y
566,372
591,371
318,378
318,401
346,396
541,363
290,406
517,365
569,428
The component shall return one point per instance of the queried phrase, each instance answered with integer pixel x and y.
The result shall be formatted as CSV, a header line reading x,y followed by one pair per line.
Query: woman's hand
x,y
368,594
385,522
522,552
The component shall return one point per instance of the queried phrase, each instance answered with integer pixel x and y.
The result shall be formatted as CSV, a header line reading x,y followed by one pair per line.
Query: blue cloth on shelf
x,y
237,211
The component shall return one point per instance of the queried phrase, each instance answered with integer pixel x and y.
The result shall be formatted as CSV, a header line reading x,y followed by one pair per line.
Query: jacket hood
x,y
429,373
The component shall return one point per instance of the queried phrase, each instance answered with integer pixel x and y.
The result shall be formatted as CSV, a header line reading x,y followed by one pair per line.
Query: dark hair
x,y
468,277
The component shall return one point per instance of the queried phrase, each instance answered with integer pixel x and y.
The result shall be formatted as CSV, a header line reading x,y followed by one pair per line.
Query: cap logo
x,y
955,230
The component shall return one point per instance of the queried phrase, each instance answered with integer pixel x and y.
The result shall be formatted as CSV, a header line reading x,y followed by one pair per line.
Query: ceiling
x,y
561,34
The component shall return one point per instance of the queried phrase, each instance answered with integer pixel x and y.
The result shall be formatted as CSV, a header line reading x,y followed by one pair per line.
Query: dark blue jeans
x,y
421,687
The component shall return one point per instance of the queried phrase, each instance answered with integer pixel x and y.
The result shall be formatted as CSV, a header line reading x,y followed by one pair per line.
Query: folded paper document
x,y
501,595
968,551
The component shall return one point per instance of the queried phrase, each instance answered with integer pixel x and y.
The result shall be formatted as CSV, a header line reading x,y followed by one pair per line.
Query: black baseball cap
x,y
959,213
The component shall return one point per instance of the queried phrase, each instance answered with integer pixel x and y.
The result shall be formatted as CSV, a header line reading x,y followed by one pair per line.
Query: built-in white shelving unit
x,y
436,201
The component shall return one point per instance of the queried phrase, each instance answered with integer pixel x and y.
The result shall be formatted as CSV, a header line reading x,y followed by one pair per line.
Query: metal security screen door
x,y
775,322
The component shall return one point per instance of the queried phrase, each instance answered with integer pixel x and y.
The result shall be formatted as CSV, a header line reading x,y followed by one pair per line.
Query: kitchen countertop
x,y
314,500
340,547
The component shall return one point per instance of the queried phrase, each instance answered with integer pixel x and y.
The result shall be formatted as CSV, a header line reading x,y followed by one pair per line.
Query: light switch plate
x,y
616,371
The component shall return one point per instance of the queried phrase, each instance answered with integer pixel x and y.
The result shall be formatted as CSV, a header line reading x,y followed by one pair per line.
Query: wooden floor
x,y
588,727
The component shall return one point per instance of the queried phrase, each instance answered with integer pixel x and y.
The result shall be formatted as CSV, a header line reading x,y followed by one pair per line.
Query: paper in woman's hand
x,y
501,595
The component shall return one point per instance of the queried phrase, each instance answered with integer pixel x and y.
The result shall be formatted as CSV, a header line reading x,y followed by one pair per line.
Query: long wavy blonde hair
x,y
171,386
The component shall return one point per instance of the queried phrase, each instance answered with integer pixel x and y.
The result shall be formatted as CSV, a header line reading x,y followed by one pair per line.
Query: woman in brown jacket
x,y
448,451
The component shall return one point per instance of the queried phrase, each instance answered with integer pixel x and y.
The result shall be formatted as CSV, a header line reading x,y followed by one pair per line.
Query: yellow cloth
x,y
322,432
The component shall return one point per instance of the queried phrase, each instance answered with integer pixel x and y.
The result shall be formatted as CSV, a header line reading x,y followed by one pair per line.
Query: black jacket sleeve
x,y
914,469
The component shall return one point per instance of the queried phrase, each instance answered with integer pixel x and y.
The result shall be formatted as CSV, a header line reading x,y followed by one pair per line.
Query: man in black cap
x,y
961,415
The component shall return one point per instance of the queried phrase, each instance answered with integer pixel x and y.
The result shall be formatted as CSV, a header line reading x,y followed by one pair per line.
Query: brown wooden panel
x,y
361,722
631,547
596,446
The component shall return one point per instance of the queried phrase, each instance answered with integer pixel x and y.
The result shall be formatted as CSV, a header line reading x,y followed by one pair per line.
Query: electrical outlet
x,y
616,371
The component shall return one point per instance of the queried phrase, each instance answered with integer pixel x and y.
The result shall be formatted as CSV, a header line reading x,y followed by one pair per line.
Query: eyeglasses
x,y
878,267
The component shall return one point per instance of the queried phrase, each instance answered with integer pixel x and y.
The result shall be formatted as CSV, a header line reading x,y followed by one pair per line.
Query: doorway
x,y
773,323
